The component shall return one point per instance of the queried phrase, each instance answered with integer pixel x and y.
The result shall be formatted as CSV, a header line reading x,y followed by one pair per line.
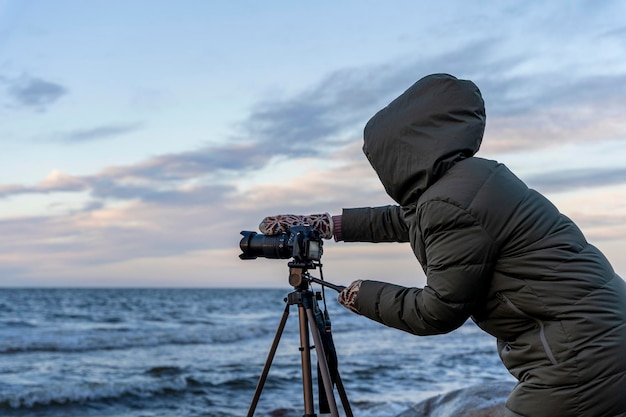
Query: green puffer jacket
x,y
493,250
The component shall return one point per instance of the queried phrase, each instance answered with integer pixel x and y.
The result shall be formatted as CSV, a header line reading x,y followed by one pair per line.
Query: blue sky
x,y
139,138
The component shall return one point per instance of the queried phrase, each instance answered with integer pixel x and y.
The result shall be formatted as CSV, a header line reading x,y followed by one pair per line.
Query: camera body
x,y
302,243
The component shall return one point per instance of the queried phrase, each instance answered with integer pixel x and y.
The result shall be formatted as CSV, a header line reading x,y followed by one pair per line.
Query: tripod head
x,y
300,278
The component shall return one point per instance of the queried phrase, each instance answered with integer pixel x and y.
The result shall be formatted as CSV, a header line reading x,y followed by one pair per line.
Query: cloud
x,y
545,110
133,218
59,181
333,111
105,188
525,111
178,203
599,212
315,121
566,180
196,163
56,181
528,111
116,185
616,33
97,133
12,189
123,231
35,93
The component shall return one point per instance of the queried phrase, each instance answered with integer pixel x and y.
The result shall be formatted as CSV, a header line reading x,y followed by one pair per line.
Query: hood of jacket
x,y
437,122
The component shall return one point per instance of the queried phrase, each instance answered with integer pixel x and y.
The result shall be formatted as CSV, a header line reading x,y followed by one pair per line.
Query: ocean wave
x,y
68,393
19,341
198,353
82,342
17,323
160,371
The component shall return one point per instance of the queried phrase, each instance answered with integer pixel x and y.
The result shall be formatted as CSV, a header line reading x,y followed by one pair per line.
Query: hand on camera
x,y
347,296
274,225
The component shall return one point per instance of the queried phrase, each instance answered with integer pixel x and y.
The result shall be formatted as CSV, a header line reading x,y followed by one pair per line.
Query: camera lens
x,y
254,245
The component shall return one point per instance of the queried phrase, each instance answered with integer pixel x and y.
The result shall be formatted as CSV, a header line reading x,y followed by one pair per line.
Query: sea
x,y
200,352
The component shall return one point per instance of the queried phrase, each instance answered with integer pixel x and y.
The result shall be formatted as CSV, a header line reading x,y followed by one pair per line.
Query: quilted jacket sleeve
x,y
374,224
457,255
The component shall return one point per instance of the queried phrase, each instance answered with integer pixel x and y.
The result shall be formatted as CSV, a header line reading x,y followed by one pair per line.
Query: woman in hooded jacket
x,y
492,249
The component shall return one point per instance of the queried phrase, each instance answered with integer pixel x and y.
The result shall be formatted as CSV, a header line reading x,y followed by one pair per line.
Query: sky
x,y
138,139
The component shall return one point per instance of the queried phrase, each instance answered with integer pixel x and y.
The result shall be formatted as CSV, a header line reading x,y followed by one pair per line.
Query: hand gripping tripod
x,y
310,318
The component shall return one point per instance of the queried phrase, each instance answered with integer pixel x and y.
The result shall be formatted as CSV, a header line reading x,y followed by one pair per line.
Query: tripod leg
x,y
268,362
321,358
343,396
305,353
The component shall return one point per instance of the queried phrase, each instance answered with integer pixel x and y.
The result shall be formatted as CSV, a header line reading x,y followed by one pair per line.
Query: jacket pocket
x,y
542,332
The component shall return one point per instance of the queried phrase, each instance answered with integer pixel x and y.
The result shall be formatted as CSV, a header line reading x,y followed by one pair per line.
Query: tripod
x,y
310,318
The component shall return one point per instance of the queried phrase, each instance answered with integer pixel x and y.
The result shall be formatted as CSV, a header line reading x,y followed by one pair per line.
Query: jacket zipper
x,y
542,333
